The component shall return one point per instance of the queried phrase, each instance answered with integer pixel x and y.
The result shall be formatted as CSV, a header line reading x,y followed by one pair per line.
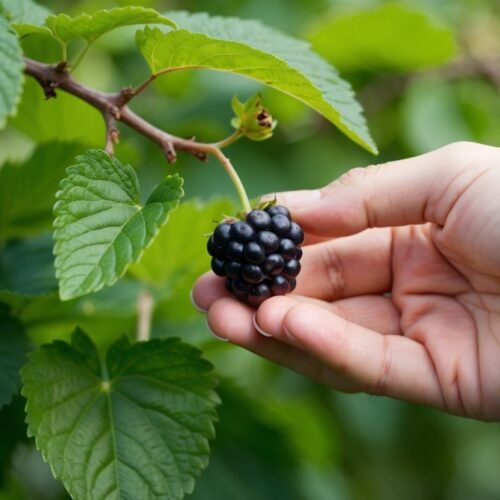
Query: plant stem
x,y
80,57
145,307
226,163
229,140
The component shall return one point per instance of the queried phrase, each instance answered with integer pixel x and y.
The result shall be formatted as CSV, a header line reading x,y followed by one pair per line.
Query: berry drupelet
x,y
259,257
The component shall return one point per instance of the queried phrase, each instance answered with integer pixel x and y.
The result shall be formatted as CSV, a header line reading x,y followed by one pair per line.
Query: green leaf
x,y
13,347
90,27
27,267
135,426
27,191
100,226
24,11
391,37
64,119
184,241
11,72
251,49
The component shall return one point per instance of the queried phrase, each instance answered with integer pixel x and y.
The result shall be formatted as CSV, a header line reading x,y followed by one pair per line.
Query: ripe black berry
x,y
234,250
259,257
252,273
280,225
268,240
232,268
258,294
279,209
288,249
280,285
214,249
273,264
292,269
241,231
259,220
221,234
296,234
218,266
254,252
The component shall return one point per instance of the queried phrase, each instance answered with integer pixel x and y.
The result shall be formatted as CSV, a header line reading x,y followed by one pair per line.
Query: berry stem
x,y
226,163
229,140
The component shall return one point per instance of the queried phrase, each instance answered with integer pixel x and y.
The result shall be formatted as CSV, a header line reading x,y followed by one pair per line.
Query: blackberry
x,y
259,256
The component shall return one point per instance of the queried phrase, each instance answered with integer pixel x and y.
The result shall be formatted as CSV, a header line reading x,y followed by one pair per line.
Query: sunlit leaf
x,y
24,11
90,27
100,225
250,49
11,71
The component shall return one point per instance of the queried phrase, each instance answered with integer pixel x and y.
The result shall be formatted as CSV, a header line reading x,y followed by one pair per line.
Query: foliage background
x,y
280,436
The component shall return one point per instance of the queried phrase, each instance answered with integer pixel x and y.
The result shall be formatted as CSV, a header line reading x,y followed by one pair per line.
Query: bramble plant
x,y
133,420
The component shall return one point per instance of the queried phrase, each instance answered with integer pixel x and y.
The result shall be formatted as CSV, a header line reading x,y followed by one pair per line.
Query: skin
x,y
400,289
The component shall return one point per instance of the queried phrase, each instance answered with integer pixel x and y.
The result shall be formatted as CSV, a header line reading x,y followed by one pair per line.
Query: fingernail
x,y
222,339
258,328
195,305
301,199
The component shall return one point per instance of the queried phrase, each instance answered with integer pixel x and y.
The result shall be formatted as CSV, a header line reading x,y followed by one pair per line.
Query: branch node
x,y
125,96
61,67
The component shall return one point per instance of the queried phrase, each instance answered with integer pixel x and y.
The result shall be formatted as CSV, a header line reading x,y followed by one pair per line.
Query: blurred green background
x,y
427,73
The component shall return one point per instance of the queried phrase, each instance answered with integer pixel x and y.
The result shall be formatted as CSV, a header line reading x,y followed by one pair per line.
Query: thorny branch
x,y
114,107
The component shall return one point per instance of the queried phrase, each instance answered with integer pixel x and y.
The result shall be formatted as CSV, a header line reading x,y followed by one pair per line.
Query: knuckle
x,y
379,385
335,274
358,175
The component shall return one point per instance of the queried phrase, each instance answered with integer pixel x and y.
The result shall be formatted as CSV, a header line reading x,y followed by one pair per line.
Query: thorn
x,y
49,90
201,156
170,152
114,135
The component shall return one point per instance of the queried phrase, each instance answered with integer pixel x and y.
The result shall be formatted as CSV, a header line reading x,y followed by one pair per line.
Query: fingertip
x,y
231,319
269,317
310,326
207,289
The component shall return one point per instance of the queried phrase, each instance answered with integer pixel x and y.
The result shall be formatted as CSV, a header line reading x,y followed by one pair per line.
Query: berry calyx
x,y
260,256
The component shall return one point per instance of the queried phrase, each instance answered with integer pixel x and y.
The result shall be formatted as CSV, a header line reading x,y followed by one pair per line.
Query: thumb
x,y
411,191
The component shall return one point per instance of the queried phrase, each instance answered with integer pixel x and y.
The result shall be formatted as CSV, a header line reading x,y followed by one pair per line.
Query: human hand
x,y
399,293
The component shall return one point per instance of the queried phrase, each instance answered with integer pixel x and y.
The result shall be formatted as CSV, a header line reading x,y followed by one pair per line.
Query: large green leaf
x,y
251,49
13,347
135,426
100,225
66,118
27,191
89,27
391,36
24,11
11,71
